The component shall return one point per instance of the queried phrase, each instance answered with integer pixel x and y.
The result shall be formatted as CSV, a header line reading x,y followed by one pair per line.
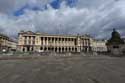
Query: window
x,y
23,49
41,38
115,46
41,48
33,42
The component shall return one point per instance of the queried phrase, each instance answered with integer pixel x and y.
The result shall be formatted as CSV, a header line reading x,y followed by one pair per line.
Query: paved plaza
x,y
63,69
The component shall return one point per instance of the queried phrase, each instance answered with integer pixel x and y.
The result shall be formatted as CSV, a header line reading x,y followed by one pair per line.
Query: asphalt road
x,y
54,69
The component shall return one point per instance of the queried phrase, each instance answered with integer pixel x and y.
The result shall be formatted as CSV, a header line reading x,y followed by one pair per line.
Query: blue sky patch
x,y
54,4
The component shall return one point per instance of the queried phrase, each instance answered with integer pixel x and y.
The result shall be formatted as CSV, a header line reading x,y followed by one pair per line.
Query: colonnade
x,y
54,44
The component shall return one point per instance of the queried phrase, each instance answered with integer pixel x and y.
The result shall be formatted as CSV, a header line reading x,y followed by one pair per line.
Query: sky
x,y
94,17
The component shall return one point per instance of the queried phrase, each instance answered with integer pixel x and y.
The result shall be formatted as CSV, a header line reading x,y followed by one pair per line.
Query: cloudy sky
x,y
94,17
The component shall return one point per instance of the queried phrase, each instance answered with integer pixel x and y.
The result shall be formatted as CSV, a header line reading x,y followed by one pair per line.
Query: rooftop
x,y
46,34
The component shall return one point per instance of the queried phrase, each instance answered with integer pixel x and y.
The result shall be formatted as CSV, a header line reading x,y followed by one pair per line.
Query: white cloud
x,y
97,21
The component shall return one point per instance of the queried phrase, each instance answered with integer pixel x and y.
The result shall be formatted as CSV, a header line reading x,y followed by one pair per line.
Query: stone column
x,y
57,41
47,44
26,40
61,49
31,40
74,49
20,48
83,42
71,49
51,41
65,42
64,48
57,49
30,48
41,39
54,44
25,49
67,49
43,43
61,44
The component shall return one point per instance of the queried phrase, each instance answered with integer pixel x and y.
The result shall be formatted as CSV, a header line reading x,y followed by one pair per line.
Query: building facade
x,y
38,42
7,44
99,45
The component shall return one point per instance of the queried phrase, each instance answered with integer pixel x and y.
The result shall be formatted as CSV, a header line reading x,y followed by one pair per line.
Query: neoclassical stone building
x,y
6,43
98,45
37,42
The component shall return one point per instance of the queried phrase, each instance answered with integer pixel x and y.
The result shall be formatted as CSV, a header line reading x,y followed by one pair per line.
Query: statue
x,y
115,39
115,44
